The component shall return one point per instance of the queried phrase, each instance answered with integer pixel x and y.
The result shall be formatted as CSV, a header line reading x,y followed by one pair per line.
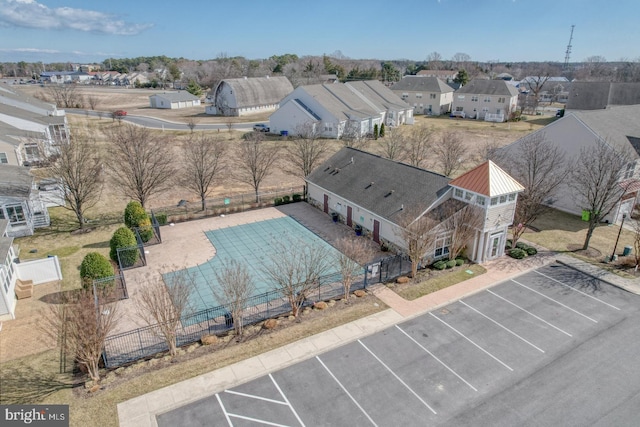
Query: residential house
x,y
599,95
445,75
580,130
374,193
248,95
30,129
20,201
331,110
427,95
174,100
490,100
396,112
17,278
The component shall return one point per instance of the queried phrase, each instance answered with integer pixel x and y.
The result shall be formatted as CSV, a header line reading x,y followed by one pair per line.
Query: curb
x,y
624,287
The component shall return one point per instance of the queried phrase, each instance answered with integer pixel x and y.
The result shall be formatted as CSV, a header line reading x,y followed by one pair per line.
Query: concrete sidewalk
x,y
141,411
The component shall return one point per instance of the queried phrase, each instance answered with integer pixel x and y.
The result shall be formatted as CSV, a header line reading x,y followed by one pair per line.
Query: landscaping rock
x,y
270,324
208,339
331,302
402,279
94,388
192,348
320,305
360,293
292,317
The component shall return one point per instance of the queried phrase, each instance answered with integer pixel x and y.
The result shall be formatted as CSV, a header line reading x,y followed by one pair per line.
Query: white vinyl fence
x,y
39,270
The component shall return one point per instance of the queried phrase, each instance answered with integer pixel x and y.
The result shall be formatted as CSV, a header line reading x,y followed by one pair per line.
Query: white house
x,y
174,100
373,193
20,201
427,95
248,95
491,100
396,111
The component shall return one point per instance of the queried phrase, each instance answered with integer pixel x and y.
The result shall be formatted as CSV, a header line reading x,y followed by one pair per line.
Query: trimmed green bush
x,y
134,213
522,246
439,265
286,199
277,201
145,230
94,266
382,130
509,244
517,253
297,197
451,263
123,238
459,261
162,218
531,250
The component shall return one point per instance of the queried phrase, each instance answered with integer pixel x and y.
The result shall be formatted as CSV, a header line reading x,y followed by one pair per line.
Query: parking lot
x,y
551,347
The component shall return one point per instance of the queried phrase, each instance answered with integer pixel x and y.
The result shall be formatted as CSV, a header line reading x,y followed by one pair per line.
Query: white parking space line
x,y
476,345
347,392
436,358
577,290
529,313
557,302
286,400
503,327
398,378
255,397
224,411
256,420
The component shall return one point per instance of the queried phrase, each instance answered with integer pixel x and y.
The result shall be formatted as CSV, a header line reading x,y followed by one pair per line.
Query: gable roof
x,y
422,84
253,91
379,185
599,95
489,87
15,181
176,96
489,180
379,94
437,73
618,125
341,101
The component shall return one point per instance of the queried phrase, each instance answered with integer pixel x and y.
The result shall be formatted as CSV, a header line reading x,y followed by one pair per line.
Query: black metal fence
x,y
144,342
115,287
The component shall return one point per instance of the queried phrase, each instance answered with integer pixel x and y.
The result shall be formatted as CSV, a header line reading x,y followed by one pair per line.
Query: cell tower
x,y
568,53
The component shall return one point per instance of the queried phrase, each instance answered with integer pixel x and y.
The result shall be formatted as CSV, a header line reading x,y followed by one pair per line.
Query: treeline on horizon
x,y
298,69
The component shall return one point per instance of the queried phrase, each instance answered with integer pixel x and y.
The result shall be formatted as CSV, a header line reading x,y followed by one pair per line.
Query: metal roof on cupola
x,y
489,180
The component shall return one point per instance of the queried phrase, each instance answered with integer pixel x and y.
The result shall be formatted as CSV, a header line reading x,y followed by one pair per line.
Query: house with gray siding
x,y
374,193
490,100
427,95
20,201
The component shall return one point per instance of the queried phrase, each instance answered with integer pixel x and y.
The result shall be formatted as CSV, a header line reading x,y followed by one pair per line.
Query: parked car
x,y
119,113
261,127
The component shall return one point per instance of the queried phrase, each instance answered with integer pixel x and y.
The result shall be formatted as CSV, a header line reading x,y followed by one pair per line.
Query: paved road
x,y
551,347
150,122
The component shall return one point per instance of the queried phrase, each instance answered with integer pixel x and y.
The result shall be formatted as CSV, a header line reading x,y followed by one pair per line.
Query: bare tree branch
x,y
419,145
462,222
449,151
418,234
254,161
203,159
306,151
393,145
235,286
351,253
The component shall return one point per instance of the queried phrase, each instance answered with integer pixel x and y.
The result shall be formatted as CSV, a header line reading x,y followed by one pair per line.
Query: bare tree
x,y
294,273
417,231
306,151
393,145
161,305
84,321
191,123
434,59
141,162
596,181
202,164
77,166
449,152
93,101
228,121
419,145
352,253
352,135
540,167
489,150
536,83
64,95
462,222
255,161
235,286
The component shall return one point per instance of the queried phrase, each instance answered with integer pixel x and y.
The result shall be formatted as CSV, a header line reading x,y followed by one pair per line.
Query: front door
x,y
349,216
376,231
495,245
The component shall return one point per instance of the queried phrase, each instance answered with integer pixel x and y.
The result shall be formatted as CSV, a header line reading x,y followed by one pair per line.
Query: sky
x,y
486,30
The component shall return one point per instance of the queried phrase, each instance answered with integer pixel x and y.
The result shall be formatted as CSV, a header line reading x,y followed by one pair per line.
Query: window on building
x,y
503,199
3,158
460,96
15,214
468,195
480,200
501,100
459,108
418,95
432,96
494,201
458,193
487,99
474,98
442,245
512,197
405,95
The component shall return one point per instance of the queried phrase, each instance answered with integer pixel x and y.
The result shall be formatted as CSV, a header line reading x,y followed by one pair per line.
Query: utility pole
x,y
568,52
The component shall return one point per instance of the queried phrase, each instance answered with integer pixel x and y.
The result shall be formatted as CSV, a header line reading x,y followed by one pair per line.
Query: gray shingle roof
x,y
489,87
341,102
15,181
177,96
254,91
379,94
424,84
619,125
598,95
379,185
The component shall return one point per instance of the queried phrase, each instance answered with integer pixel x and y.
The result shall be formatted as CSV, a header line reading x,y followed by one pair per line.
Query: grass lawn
x,y
438,280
